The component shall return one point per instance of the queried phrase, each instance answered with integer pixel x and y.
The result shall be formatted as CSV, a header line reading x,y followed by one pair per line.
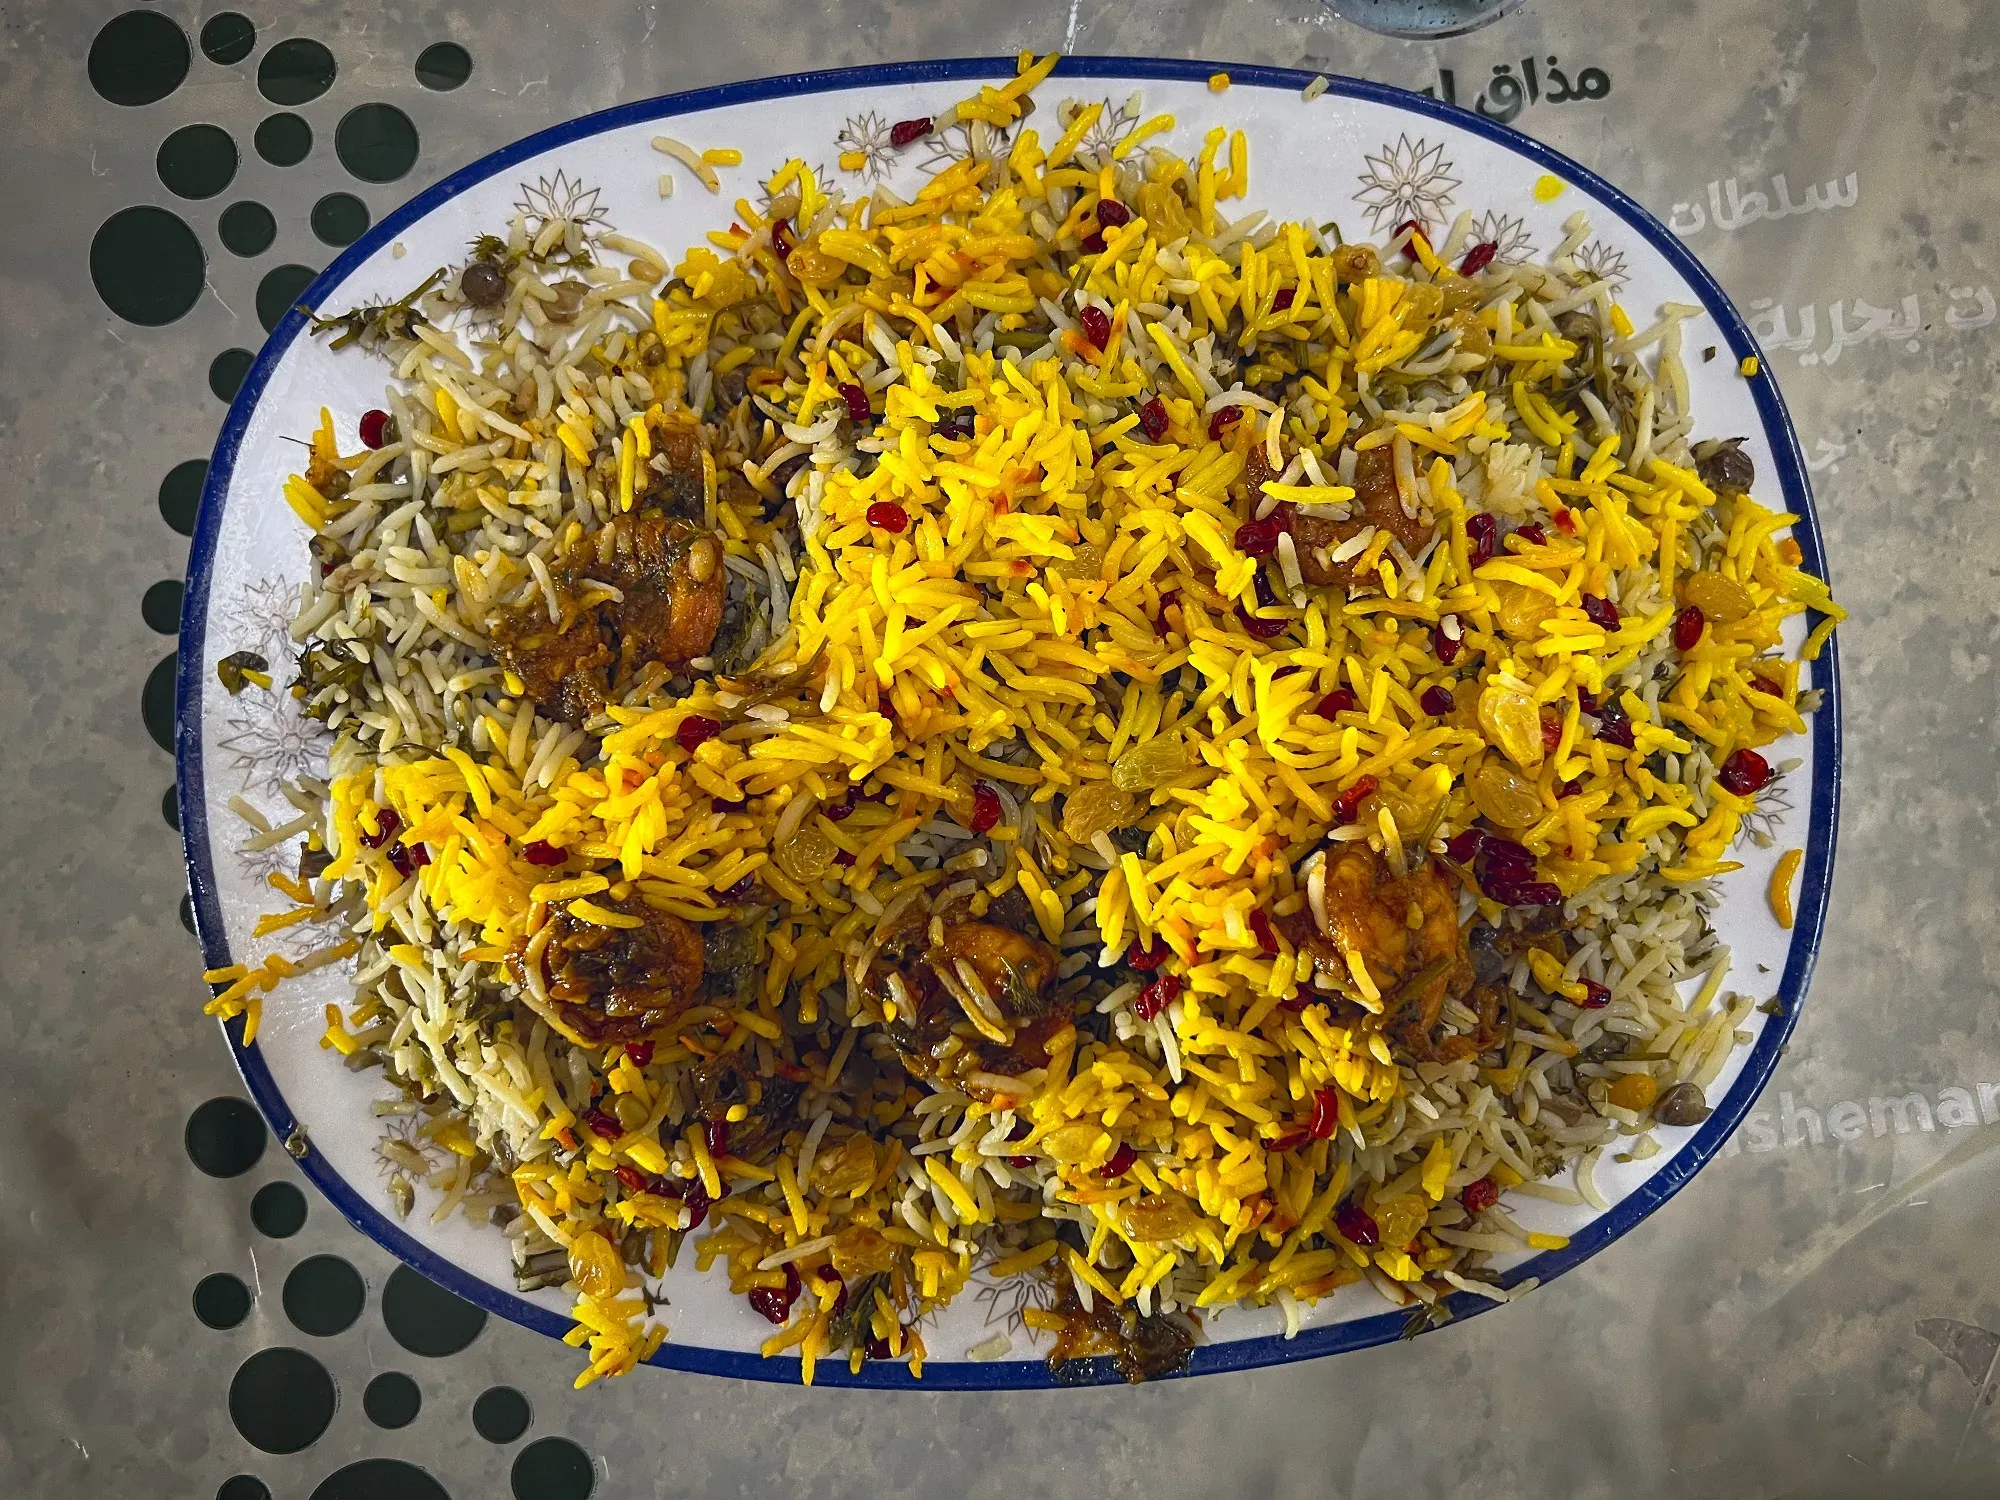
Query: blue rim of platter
x,y
1208,1358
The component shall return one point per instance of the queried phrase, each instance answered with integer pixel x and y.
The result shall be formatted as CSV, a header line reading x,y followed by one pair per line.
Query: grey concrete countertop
x,y
1810,1317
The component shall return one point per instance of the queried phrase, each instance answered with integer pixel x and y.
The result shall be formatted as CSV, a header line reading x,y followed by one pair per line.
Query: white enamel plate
x,y
1363,155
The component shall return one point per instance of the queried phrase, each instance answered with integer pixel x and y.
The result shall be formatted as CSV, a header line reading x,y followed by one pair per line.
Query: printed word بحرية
x,y
1505,96
1851,324
1729,207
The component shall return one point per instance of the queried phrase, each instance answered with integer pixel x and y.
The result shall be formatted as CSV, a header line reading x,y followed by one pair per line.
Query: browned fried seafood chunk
x,y
618,984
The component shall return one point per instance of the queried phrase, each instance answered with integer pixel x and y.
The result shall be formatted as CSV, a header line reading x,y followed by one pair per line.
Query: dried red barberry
x,y
639,1053
1283,300
986,808
1326,1114
1478,258
1595,995
1157,996
1479,1195
1339,701
374,428
1153,419
386,824
1263,630
1145,960
1224,418
782,239
1601,611
1437,701
542,852
1532,535
1463,848
695,1196
632,1177
1688,625
1291,1140
1482,532
1267,937
903,132
887,515
718,1138
1445,646
1120,1163
1744,772
775,1303
1347,806
857,402
1096,325
1092,243
1356,1224
695,731
603,1124
1112,214
1257,538
1614,727
1526,893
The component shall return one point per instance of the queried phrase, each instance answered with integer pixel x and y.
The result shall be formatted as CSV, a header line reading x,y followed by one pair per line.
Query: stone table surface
x,y
1809,1318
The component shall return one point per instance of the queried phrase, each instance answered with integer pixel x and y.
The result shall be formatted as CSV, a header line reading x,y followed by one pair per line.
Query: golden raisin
x,y
815,267
1723,600
1512,722
1146,766
1096,808
1503,796
595,1266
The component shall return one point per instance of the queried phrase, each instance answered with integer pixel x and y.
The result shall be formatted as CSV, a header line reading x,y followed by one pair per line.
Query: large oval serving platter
x,y
1366,156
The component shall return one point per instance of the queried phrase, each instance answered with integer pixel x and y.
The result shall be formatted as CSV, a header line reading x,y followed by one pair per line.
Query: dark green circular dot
x,y
138,58
221,1300
425,1318
443,65
380,1479
283,140
156,703
278,290
247,228
295,71
187,912
279,1210
197,161
180,494
552,1468
392,1399
147,265
226,372
243,1487
376,142
170,808
340,218
501,1414
228,38
224,1137
161,608
281,1400
323,1296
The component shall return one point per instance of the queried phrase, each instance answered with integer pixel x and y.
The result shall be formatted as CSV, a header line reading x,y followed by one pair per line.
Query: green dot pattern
x,y
247,228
